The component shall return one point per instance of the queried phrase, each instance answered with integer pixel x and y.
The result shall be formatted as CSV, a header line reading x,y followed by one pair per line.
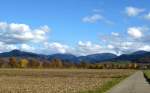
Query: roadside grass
x,y
147,75
106,86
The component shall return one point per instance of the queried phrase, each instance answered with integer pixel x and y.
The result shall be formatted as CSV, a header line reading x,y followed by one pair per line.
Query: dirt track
x,y
136,83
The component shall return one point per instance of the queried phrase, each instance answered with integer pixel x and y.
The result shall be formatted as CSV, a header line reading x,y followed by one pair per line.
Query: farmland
x,y
56,80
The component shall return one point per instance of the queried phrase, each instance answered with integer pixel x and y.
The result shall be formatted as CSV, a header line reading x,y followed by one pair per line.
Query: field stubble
x,y
55,80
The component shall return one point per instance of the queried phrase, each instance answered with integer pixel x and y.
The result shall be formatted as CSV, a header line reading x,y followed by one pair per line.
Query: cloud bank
x,y
27,38
23,37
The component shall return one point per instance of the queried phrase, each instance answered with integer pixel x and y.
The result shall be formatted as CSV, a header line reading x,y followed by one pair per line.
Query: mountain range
x,y
94,58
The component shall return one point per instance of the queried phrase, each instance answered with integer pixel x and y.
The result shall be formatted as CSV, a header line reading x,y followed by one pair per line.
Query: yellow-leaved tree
x,y
23,63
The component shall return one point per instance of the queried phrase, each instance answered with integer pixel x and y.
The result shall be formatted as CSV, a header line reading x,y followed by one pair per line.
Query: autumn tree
x,y
133,66
69,65
46,64
23,63
99,66
33,63
1,62
84,64
12,62
56,63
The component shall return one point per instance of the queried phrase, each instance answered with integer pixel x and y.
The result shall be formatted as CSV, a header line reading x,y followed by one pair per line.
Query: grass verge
x,y
106,86
147,75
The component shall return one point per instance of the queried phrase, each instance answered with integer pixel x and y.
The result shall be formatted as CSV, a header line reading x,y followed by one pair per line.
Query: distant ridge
x,y
64,57
93,58
97,57
18,53
132,56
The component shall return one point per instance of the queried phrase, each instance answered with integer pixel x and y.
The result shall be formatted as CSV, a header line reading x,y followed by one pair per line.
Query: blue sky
x,y
79,27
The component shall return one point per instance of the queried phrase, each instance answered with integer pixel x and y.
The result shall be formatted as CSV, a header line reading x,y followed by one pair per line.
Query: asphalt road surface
x,y
136,83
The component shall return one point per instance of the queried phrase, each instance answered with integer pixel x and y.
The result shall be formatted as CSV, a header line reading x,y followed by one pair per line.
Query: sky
x,y
79,27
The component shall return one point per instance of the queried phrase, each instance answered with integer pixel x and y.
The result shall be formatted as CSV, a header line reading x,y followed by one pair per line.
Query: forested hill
x,y
94,58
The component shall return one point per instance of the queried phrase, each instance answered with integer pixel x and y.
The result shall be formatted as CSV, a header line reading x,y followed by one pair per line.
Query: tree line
x,y
13,62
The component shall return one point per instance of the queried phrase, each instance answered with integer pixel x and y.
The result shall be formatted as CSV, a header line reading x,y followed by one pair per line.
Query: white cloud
x,y
18,27
15,33
21,36
3,25
26,47
115,34
121,44
56,47
4,47
97,10
133,11
138,39
87,47
96,18
110,46
93,18
145,48
126,45
147,17
45,28
82,48
135,32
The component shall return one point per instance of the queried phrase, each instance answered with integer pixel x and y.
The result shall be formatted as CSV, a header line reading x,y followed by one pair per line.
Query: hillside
x,y
94,58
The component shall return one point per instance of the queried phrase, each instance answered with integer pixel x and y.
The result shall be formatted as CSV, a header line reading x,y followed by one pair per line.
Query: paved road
x,y
136,83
